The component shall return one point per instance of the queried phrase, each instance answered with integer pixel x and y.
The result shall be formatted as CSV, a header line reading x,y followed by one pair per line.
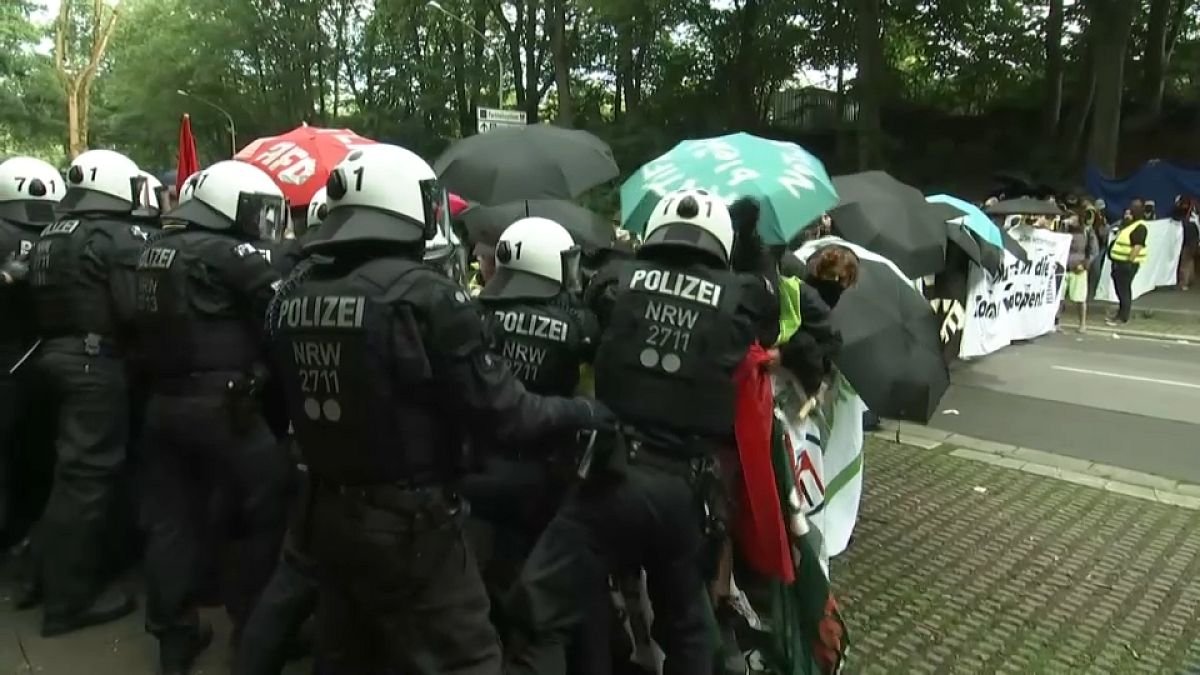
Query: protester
x,y
1128,252
1188,216
1084,249
1095,218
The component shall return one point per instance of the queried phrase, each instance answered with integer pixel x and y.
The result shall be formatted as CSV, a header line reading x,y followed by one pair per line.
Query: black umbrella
x,y
960,236
588,229
538,161
886,216
1013,246
891,348
1025,206
983,253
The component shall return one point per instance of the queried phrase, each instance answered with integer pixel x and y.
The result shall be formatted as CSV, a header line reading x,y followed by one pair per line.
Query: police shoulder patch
x,y
245,249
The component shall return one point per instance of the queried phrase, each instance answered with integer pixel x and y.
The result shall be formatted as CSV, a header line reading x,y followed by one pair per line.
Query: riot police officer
x,y
29,190
386,368
674,329
80,360
544,335
202,292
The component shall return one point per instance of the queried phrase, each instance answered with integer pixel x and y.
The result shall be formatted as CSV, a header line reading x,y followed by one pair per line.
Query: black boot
x,y
177,650
29,588
110,605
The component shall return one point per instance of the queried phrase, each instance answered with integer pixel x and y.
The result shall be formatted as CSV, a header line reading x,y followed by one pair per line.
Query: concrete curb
x,y
1078,471
1102,329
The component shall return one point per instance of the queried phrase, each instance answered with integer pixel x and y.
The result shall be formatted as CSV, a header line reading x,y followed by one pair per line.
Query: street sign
x,y
493,118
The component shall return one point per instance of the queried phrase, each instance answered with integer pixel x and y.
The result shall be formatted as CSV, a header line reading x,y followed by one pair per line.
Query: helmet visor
x,y
437,210
29,212
262,215
572,269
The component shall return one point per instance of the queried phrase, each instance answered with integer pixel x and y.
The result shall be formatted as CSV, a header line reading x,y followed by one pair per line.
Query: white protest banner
x,y
1021,302
828,458
1164,238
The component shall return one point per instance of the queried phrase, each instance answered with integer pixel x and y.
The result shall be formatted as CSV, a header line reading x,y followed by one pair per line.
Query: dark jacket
x,y
810,352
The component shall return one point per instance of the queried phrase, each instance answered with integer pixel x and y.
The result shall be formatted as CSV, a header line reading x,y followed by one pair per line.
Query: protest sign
x,y
1019,303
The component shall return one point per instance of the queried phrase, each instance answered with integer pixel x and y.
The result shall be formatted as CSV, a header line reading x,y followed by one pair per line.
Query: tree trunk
x,y
1114,20
458,55
480,69
1054,71
870,63
562,62
744,110
532,76
1154,57
76,143
1076,124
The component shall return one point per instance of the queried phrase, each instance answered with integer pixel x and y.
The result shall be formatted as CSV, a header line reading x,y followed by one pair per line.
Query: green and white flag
x,y
827,451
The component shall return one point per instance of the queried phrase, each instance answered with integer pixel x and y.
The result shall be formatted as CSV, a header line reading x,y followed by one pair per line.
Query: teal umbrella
x,y
973,218
791,185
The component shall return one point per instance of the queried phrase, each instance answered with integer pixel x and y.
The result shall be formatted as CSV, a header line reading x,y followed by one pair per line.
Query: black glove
x,y
599,417
14,269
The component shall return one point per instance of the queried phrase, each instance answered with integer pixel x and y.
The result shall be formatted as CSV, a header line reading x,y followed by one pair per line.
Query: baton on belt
x,y
25,357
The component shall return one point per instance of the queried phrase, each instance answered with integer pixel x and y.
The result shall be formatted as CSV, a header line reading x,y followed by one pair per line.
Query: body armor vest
x,y
187,320
542,343
72,294
359,385
667,357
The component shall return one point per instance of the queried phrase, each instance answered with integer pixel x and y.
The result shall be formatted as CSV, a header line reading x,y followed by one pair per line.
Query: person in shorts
x,y
1084,247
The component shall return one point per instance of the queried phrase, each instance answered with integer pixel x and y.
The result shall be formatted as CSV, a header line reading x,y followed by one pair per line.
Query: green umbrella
x,y
791,185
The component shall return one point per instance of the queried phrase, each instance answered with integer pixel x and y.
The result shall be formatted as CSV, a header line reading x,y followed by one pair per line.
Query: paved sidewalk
x,y
121,648
967,566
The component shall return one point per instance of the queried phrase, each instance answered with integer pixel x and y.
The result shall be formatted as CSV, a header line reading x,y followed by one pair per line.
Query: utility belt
x,y
190,384
395,505
240,389
613,452
89,344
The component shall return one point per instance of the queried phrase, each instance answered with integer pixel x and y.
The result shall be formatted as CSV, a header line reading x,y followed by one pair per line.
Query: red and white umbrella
x,y
300,160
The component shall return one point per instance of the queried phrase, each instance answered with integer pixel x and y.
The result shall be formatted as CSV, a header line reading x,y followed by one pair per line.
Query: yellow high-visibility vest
x,y
1122,247
789,307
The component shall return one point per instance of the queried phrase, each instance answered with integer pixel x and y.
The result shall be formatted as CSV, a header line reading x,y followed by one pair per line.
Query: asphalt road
x,y
1128,402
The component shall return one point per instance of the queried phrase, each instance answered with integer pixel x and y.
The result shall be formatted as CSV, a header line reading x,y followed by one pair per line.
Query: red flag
x,y
188,162
760,531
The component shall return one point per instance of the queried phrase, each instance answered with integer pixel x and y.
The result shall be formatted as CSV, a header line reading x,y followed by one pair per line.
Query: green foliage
x,y
643,74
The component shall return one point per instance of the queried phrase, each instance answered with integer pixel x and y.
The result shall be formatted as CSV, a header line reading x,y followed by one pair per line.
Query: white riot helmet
x,y
318,208
535,258
188,189
383,194
692,219
29,189
234,197
100,180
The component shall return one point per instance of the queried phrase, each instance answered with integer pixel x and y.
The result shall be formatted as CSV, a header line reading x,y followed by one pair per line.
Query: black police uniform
x,y
19,505
543,341
674,331
202,296
81,365
386,370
